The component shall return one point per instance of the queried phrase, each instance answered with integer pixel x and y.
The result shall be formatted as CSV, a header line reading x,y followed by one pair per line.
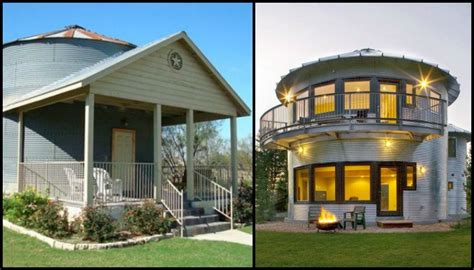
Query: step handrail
x,y
172,199
222,196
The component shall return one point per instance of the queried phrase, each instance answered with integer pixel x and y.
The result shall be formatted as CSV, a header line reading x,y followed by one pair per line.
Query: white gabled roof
x,y
457,130
92,73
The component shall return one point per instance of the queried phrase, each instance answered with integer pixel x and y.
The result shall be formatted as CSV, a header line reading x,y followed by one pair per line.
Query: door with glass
x,y
388,103
389,191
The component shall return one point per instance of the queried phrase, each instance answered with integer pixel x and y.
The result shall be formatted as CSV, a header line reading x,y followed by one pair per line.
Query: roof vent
x,y
74,26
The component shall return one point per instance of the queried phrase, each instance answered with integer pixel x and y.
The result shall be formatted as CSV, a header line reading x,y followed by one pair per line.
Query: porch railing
x,y
113,181
356,108
60,180
172,199
207,189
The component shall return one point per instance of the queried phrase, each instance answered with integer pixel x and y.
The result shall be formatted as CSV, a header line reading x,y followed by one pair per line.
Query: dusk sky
x,y
288,35
223,32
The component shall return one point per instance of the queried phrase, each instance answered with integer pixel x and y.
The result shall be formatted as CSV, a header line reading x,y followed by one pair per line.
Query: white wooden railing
x,y
172,199
207,189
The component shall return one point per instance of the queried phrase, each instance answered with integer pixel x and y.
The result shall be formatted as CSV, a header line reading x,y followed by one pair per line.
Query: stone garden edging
x,y
81,246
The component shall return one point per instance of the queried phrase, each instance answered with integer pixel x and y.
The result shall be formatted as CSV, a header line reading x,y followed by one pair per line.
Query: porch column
x,y
89,150
189,154
233,155
289,163
20,157
157,142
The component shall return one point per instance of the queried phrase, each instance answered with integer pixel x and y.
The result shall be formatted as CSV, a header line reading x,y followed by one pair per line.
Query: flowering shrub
x,y
52,220
146,219
97,224
20,207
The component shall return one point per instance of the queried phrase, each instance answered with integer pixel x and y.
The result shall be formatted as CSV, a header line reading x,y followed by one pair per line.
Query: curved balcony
x,y
379,114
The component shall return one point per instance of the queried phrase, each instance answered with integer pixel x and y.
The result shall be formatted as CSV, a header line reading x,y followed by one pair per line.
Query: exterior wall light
x,y
422,170
388,143
300,150
424,84
288,97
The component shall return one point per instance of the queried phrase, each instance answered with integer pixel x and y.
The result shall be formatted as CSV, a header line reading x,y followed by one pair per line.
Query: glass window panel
x,y
302,109
325,183
388,102
301,184
410,176
388,189
434,101
450,185
452,147
409,92
324,98
357,183
357,100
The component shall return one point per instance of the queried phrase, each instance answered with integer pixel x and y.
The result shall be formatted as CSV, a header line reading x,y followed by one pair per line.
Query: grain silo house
x,y
83,116
369,129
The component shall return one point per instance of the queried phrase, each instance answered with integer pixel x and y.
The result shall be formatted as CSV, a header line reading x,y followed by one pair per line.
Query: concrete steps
x,y
218,226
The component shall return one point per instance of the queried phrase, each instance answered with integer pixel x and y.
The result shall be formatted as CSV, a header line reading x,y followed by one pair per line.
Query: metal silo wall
x,y
10,155
30,65
456,174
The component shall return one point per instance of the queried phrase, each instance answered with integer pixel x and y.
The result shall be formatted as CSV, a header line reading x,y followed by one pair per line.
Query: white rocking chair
x,y
75,185
107,187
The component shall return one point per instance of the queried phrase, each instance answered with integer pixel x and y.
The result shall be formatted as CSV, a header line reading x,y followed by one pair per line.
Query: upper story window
x,y
451,147
324,100
388,102
302,109
357,99
409,92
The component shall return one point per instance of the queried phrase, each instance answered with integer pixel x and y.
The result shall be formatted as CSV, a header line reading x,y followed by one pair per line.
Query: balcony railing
x,y
355,108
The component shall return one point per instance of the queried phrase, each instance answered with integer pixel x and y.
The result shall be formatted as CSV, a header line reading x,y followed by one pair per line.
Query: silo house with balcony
x,y
367,128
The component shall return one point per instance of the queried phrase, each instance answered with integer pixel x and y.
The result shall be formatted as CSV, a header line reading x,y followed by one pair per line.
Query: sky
x,y
223,32
288,35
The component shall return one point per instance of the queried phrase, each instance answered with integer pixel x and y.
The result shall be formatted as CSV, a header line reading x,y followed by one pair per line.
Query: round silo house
x,y
83,115
365,130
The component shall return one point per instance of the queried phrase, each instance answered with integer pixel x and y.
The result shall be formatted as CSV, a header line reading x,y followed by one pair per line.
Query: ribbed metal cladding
x,y
426,204
29,65
456,174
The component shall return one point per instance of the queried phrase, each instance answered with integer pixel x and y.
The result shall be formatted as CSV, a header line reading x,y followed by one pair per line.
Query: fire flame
x,y
326,216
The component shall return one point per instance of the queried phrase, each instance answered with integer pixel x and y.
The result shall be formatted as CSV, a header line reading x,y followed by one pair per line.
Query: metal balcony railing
x,y
354,108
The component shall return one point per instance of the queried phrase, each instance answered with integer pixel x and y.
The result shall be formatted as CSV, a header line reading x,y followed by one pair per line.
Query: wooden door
x,y
123,158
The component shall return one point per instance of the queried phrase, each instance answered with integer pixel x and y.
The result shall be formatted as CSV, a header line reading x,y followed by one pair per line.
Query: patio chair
x,y
313,213
75,185
357,217
106,186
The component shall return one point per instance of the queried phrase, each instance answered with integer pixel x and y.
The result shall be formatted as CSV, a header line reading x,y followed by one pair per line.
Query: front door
x,y
123,158
389,191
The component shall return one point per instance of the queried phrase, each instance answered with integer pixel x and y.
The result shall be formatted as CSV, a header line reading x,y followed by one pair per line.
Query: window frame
x,y
455,146
313,181
315,95
340,188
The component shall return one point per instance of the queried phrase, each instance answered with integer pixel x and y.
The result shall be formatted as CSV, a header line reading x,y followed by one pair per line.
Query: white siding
x,y
151,79
426,204
457,166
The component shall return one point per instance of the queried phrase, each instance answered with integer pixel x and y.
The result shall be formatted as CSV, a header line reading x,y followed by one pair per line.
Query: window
x,y
434,101
302,105
324,98
325,183
451,147
388,102
356,100
357,183
301,184
450,185
410,177
409,92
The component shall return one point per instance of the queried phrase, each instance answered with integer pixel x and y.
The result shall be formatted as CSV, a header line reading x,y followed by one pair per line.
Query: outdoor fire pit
x,y
327,221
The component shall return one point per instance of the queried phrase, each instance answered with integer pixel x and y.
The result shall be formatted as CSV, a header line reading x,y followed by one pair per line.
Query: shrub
x,y
146,219
52,220
21,206
243,204
97,224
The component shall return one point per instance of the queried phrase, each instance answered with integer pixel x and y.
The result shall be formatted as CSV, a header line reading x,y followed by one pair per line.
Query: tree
x,y
271,176
174,144
467,186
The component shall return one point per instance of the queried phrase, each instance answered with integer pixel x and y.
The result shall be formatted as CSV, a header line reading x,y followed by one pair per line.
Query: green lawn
x,y
383,249
21,250
247,229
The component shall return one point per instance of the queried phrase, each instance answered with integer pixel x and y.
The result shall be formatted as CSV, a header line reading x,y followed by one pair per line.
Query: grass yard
x,y
372,249
21,250
247,229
